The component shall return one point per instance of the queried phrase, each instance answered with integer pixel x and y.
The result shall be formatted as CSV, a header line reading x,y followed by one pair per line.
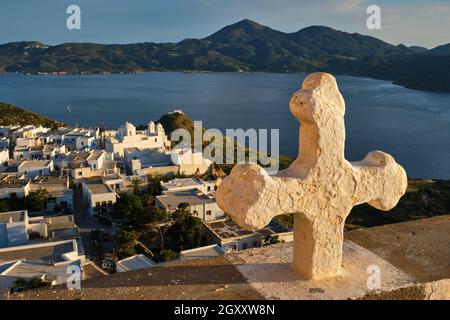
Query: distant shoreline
x,y
43,74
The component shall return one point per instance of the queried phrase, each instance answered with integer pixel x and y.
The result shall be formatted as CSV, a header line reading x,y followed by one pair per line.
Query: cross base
x,y
268,270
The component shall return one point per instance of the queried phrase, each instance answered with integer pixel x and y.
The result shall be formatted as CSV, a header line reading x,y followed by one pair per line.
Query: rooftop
x,y
13,182
36,163
49,252
31,269
202,252
181,183
136,262
50,180
95,155
228,229
193,197
97,187
13,216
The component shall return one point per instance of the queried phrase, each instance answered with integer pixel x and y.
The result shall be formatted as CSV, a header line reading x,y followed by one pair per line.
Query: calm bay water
x,y
413,126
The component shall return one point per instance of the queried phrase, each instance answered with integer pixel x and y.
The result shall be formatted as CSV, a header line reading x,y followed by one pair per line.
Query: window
x,y
80,173
208,212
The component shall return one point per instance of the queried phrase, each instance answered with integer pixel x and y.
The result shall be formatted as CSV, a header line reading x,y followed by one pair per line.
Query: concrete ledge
x,y
436,290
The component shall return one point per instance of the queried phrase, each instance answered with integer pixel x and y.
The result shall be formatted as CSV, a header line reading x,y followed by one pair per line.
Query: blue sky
x,y
412,22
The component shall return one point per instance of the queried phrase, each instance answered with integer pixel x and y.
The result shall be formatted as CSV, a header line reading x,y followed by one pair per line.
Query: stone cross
x,y
320,187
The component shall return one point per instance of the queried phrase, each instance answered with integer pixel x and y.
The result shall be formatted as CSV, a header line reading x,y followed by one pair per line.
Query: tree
x,y
21,284
128,205
184,206
126,241
271,239
154,188
156,221
136,185
186,230
148,200
37,200
167,255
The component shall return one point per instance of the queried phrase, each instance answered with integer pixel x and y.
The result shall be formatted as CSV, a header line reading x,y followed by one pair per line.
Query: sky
x,y
411,22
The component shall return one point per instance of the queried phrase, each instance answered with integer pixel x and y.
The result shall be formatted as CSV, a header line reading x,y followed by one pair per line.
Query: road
x,y
86,224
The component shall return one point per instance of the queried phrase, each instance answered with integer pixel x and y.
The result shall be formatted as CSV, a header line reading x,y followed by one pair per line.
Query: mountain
x,y
12,115
243,46
440,50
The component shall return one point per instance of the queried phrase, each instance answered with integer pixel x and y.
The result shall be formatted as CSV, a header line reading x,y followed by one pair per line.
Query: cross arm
x,y
379,181
252,197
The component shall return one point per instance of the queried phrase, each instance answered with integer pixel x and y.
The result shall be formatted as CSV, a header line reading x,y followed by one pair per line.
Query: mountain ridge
x,y
245,46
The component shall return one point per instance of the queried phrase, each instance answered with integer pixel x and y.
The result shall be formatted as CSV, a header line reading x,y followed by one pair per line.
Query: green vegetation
x,y
34,201
271,239
149,226
423,199
21,284
12,115
244,46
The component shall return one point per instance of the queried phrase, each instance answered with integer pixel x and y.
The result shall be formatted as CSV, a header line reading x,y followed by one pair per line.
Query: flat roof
x,y
136,262
46,180
228,229
16,216
35,163
50,252
11,182
98,187
193,197
202,252
31,269
180,183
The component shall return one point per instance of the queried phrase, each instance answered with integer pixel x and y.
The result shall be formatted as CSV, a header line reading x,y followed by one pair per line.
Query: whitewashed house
x,y
128,137
36,168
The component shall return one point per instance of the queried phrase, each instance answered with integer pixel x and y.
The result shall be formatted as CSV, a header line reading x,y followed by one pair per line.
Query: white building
x,y
188,184
16,227
13,186
97,195
6,130
135,262
45,260
51,151
4,143
80,139
189,161
36,168
227,234
4,156
58,189
92,164
28,153
28,132
200,195
128,137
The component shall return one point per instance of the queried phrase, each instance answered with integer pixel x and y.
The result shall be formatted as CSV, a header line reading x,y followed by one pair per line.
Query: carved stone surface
x,y
320,186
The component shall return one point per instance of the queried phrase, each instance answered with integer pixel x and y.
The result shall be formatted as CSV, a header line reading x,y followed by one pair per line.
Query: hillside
x,y
245,46
12,115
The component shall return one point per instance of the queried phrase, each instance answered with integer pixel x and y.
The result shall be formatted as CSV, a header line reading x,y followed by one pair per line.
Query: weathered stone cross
x,y
320,186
